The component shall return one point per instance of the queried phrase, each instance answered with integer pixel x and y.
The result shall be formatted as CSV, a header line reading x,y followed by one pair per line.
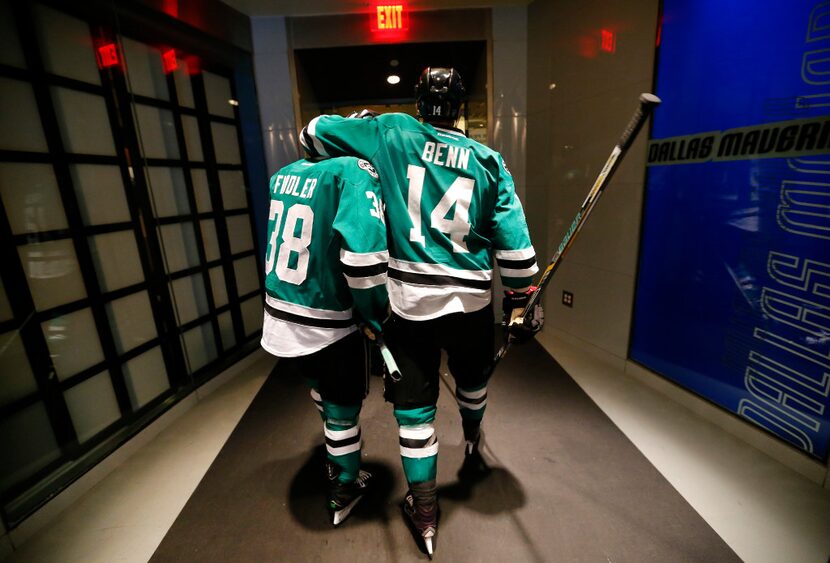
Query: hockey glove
x,y
521,329
364,113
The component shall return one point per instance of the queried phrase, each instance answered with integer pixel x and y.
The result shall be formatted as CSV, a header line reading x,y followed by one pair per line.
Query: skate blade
x,y
428,545
428,535
339,516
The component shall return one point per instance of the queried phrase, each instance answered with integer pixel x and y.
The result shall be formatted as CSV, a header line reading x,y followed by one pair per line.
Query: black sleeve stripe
x,y
308,143
517,264
365,271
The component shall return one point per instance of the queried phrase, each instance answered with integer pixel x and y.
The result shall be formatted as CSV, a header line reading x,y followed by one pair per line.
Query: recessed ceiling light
x,y
393,79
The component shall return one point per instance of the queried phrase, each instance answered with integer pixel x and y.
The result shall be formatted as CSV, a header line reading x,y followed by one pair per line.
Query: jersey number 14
x,y
460,193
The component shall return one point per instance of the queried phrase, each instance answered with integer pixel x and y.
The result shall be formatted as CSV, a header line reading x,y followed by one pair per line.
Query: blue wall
x,y
733,295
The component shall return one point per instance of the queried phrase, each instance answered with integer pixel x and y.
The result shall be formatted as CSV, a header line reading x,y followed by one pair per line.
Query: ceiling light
x,y
393,79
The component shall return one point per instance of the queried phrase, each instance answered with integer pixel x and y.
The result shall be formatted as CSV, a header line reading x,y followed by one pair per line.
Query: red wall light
x,y
107,55
168,61
608,41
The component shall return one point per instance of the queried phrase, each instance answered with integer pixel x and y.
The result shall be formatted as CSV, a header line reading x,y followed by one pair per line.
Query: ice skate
x,y
474,468
421,509
344,496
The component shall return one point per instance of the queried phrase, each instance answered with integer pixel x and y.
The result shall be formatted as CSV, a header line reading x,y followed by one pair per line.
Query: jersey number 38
x,y
280,262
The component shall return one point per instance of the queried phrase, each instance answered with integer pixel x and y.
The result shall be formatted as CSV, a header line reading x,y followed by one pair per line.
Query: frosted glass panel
x,y
225,143
16,377
201,190
146,377
116,260
52,272
10,51
218,93
210,240
190,298
20,129
252,312
132,321
169,191
157,132
5,307
29,435
73,342
192,139
31,197
92,405
232,183
226,330
100,192
66,45
146,74
239,233
199,346
184,88
247,277
180,251
217,284
85,126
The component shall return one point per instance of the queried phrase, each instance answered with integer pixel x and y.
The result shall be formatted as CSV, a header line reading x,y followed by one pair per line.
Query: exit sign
x,y
390,18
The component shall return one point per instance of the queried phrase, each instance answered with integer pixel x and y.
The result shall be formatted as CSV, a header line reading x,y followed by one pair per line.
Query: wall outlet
x,y
567,298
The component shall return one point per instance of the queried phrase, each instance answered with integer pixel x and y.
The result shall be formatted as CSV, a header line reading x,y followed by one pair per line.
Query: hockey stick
x,y
385,353
647,104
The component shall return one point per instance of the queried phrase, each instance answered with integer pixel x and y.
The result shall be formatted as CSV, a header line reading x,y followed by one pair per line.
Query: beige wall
x,y
579,99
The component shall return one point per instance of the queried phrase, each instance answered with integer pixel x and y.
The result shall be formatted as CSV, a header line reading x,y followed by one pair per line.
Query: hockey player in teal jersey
x,y
452,212
325,272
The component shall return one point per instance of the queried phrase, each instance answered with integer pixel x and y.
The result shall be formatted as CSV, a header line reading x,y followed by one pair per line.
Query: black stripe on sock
x,y
344,442
416,443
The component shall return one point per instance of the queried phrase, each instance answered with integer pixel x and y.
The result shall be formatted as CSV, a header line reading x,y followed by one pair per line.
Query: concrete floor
x,y
764,511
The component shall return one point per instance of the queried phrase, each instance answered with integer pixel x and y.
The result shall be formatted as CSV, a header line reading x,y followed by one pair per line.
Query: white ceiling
x,y
327,7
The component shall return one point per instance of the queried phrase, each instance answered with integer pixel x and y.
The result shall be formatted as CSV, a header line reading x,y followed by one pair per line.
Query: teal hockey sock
x,y
419,444
343,439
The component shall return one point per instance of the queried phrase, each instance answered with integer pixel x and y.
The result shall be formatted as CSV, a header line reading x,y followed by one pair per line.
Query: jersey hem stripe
x,y
307,321
437,280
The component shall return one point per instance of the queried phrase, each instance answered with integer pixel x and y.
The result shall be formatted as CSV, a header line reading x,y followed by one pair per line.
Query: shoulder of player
x,y
352,170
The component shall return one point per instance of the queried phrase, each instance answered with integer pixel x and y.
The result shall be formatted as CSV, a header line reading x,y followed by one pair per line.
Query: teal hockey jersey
x,y
451,206
326,257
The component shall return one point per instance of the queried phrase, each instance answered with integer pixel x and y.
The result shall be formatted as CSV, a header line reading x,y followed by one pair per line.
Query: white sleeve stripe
x,y
366,283
311,130
522,254
510,273
363,258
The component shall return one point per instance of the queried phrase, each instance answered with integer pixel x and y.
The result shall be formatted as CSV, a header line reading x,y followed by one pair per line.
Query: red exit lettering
x,y
390,17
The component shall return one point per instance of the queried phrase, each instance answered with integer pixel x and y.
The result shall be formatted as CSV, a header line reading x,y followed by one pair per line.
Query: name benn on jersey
x,y
446,155
289,185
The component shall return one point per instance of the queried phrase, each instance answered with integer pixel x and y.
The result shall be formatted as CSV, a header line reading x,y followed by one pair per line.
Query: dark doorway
x,y
344,79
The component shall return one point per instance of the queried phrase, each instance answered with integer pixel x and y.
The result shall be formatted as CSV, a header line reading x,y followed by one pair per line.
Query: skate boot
x,y
344,496
420,506
474,468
